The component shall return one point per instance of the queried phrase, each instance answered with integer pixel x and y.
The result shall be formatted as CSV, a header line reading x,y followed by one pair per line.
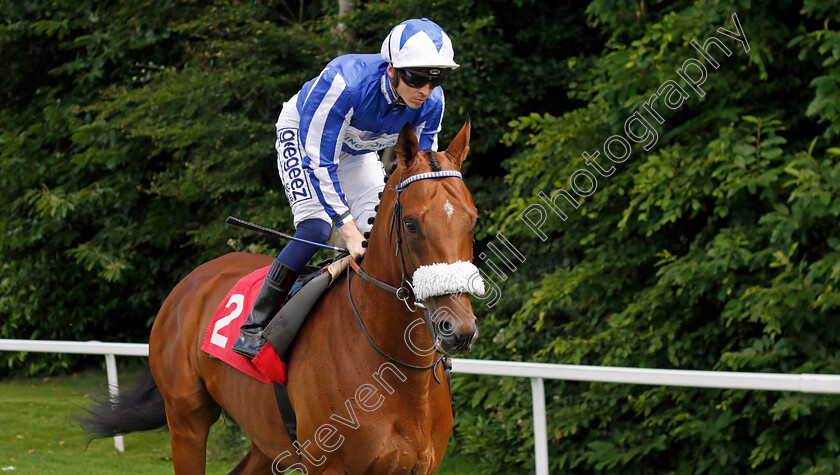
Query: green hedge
x,y
129,131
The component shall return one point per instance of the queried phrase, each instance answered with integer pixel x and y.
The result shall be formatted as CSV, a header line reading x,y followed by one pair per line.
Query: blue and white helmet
x,y
418,44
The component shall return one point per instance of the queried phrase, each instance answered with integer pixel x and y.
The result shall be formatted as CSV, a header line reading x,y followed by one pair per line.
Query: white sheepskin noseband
x,y
442,279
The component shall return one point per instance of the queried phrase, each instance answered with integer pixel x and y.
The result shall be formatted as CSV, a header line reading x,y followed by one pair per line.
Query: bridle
x,y
405,291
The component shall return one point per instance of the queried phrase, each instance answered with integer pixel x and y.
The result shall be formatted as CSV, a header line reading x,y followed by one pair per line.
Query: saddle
x,y
268,366
281,331
305,292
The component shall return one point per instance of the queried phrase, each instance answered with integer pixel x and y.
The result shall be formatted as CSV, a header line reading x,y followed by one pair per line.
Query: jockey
x,y
328,135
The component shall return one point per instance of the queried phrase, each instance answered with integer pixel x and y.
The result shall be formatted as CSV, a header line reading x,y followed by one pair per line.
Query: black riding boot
x,y
277,283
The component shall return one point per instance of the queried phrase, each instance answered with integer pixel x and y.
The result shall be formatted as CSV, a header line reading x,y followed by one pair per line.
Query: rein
x,y
405,290
370,340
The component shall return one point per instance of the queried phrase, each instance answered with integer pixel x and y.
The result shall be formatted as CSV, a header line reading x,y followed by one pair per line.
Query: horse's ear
x,y
407,146
460,145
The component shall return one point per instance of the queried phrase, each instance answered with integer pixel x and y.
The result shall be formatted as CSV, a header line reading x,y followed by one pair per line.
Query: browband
x,y
422,176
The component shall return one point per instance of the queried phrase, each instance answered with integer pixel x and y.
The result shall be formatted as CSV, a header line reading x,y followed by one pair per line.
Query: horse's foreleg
x,y
189,423
254,463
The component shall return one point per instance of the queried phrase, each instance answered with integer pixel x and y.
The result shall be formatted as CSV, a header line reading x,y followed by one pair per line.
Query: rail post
x,y
114,391
540,430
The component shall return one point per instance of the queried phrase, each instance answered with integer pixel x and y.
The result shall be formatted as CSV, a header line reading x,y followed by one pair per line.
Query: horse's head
x,y
431,217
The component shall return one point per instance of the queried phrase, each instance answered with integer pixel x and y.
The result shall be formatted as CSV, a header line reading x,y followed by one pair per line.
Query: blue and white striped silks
x,y
350,109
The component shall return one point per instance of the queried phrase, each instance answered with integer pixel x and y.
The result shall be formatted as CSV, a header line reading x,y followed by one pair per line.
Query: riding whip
x,y
277,234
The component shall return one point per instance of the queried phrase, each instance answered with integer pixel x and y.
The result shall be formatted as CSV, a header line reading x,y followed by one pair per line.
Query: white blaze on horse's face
x,y
448,209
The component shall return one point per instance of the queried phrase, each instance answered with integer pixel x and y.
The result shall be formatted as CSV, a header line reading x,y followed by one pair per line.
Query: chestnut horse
x,y
368,398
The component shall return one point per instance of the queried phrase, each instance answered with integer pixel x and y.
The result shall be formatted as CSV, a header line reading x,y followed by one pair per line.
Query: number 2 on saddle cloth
x,y
223,329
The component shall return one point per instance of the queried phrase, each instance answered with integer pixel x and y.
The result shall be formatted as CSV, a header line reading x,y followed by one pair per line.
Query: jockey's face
x,y
413,97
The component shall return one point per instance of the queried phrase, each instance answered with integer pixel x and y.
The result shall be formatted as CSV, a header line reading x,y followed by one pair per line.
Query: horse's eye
x,y
410,225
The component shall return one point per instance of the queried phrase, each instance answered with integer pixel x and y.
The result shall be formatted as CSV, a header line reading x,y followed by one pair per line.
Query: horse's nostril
x,y
445,328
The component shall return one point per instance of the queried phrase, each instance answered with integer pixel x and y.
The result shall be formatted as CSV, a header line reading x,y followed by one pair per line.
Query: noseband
x,y
406,291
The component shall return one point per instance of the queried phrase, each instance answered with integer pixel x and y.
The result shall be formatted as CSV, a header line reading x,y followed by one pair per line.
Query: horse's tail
x,y
138,409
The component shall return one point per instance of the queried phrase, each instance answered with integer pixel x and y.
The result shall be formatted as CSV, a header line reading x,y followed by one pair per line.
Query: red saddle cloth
x,y
223,331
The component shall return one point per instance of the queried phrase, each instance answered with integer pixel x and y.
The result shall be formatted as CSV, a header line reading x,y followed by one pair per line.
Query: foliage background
x,y
128,131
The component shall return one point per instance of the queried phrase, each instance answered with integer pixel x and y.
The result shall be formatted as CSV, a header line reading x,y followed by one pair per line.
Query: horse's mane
x,y
430,155
433,159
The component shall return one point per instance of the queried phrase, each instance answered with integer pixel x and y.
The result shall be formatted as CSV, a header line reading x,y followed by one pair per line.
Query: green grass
x,y
36,436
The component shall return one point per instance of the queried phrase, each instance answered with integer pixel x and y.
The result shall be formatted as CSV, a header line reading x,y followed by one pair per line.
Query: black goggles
x,y
415,79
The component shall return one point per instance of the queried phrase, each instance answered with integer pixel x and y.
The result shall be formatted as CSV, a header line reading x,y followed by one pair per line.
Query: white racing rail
x,y
537,372
85,348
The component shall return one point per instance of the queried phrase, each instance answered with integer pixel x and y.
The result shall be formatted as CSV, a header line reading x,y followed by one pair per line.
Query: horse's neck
x,y
388,319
